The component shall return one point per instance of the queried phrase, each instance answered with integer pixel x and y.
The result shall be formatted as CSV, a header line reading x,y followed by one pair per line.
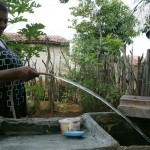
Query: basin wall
x,y
34,126
121,130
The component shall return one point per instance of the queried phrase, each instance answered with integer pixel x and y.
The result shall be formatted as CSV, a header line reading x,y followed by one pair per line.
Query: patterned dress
x,y
9,59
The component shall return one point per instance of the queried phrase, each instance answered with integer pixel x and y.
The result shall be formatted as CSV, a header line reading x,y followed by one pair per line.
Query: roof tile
x,y
52,39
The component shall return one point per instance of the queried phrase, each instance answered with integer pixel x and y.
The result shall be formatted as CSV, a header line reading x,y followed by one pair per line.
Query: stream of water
x,y
104,101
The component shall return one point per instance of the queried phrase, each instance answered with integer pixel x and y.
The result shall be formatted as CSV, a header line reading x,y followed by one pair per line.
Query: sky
x,y
55,15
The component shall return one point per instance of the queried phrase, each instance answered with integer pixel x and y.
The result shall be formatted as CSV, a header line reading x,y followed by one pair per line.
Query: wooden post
x,y
148,74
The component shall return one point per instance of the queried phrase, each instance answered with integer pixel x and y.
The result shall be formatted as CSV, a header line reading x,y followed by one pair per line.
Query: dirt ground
x,y
48,114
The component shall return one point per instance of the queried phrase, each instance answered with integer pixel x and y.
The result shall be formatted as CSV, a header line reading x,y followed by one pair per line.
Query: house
x,y
56,45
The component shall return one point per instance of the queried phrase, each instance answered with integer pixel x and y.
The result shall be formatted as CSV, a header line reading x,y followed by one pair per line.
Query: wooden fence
x,y
136,78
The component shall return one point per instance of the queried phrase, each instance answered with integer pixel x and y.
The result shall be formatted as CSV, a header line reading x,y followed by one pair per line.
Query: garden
x,y
97,59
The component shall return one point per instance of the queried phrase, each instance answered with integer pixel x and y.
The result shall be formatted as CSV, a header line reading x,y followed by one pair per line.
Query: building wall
x,y
57,60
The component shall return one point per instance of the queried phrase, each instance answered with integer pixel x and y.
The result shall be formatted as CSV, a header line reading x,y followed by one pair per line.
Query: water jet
x,y
104,131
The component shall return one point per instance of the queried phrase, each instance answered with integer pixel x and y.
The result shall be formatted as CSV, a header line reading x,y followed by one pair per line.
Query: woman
x,y
12,69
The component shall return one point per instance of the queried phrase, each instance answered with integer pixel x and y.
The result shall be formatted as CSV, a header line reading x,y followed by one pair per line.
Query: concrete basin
x,y
45,134
104,131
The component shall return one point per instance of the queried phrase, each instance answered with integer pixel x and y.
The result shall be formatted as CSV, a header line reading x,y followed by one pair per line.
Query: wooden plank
x,y
135,106
133,97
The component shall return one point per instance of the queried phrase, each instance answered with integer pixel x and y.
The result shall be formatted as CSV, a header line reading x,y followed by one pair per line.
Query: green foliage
x,y
66,97
23,50
17,19
146,26
111,46
61,106
34,95
91,104
63,1
18,7
102,27
111,93
140,5
107,17
37,92
113,96
31,107
32,31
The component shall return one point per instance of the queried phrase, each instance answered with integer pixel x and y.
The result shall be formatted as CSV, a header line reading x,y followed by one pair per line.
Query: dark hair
x,y
3,7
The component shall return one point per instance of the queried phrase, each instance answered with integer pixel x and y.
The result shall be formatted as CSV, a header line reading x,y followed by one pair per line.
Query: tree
x,y
63,1
102,28
141,9
102,22
140,4
16,10
18,7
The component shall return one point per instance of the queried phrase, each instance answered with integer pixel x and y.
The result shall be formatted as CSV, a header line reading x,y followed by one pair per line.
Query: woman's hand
x,y
26,73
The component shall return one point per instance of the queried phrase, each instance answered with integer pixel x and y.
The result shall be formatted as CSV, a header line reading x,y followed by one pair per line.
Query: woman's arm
x,y
24,73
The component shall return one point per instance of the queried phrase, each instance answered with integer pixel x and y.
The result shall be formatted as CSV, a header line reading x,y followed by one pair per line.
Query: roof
x,y
56,40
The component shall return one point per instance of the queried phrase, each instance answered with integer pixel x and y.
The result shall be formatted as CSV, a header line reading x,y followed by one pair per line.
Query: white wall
x,y
57,59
